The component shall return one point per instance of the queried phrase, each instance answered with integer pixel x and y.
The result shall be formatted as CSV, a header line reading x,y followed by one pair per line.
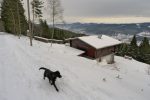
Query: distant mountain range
x,y
93,28
118,30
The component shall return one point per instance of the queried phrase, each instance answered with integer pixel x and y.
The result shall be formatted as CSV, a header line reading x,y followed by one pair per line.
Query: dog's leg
x,y
50,81
56,87
44,75
53,83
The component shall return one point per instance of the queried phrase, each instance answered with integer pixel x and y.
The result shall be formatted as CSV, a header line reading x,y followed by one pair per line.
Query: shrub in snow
x,y
116,68
104,79
118,77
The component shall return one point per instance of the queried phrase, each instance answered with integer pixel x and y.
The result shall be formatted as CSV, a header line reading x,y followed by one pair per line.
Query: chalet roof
x,y
99,42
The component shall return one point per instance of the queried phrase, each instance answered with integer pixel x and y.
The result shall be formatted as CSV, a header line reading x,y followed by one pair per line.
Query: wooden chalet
x,y
95,46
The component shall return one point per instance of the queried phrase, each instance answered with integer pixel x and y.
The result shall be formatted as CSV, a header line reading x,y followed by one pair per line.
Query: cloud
x,y
106,8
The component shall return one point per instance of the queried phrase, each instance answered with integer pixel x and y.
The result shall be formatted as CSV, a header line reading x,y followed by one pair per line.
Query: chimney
x,y
100,36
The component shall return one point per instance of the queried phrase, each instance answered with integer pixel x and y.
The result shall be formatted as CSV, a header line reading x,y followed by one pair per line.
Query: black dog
x,y
51,76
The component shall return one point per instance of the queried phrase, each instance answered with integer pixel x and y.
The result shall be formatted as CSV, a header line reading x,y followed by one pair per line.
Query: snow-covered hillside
x,y
144,34
83,79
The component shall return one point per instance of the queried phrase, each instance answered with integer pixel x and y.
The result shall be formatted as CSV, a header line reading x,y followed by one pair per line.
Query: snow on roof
x,y
47,38
98,43
41,38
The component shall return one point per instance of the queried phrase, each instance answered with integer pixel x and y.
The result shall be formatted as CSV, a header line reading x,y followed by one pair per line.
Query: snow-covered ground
x,y
125,38
83,79
144,34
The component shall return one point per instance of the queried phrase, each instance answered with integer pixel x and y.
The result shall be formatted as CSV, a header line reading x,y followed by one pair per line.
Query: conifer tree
x,y
12,15
134,41
8,17
145,46
133,48
44,31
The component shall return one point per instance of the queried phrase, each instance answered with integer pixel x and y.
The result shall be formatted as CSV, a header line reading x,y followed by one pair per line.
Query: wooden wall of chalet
x,y
89,50
105,51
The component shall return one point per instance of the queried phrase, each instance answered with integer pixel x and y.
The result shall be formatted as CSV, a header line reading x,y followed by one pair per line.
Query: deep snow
x,y
83,79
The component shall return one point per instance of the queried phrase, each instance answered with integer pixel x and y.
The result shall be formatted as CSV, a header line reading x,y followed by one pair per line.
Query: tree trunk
x,y
29,22
18,21
14,22
33,18
53,24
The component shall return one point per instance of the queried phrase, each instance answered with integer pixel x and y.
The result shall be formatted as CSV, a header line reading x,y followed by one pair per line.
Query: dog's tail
x,y
43,68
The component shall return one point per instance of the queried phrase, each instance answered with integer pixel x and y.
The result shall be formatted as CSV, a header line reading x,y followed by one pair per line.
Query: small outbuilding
x,y
96,47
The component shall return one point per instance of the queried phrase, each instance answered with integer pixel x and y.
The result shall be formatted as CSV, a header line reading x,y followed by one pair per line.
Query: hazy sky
x,y
105,11
108,10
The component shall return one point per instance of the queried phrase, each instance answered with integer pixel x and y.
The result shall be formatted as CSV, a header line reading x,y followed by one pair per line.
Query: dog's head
x,y
58,74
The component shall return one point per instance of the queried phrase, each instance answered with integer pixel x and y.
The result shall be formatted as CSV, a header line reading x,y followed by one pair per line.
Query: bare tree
x,y
29,22
36,11
33,12
56,12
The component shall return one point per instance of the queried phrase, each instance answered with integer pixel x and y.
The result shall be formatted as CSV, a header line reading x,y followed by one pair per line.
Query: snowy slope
x,y
144,34
83,79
